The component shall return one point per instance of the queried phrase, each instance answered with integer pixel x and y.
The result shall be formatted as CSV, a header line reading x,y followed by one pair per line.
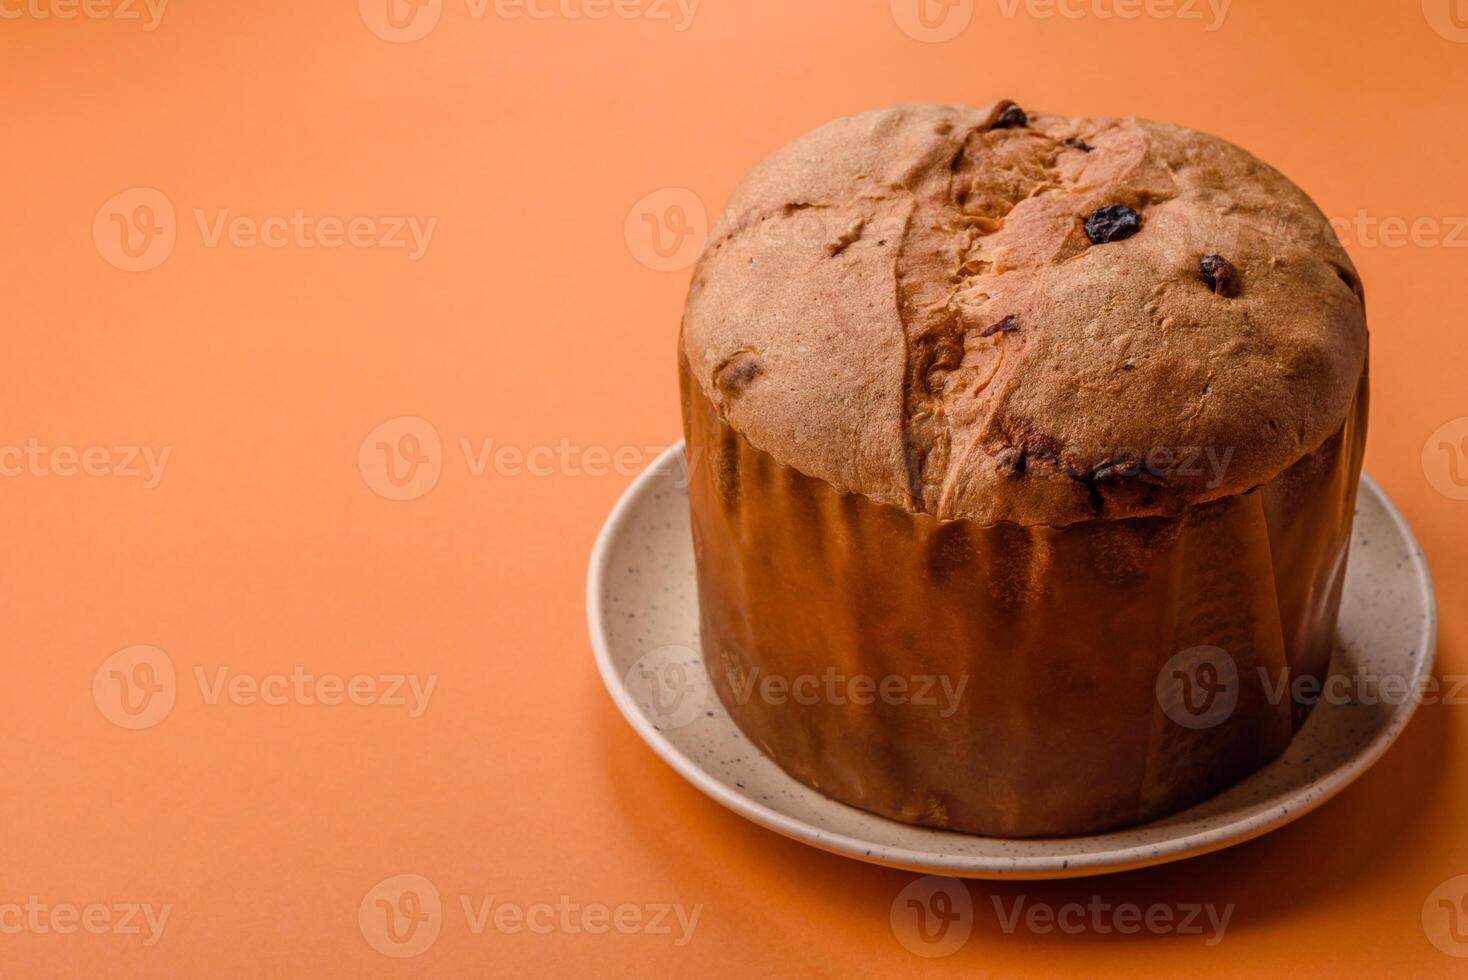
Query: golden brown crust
x,y
906,304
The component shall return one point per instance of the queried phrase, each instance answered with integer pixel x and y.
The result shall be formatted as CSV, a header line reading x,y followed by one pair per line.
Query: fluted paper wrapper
x,y
1039,681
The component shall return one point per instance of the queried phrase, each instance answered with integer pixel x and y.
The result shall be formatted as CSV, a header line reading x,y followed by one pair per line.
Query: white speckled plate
x,y
642,605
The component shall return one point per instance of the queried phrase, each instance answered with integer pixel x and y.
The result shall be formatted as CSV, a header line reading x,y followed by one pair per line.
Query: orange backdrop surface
x,y
238,238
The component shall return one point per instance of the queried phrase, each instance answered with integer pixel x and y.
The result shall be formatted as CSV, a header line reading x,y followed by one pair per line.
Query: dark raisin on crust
x,y
1352,283
1075,143
1105,476
1112,224
1011,461
1220,275
1007,325
1118,469
735,374
1013,118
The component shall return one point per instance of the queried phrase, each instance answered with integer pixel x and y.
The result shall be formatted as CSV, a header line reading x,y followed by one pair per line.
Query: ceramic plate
x,y
642,604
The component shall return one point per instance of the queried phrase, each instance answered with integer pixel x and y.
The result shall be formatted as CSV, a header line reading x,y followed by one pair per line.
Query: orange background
x,y
530,320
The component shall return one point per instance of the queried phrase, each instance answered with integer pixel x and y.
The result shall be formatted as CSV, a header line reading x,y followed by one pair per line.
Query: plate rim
x,y
1304,800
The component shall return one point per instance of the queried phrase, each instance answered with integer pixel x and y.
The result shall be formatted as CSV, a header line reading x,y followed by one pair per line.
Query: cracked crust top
x,y
909,304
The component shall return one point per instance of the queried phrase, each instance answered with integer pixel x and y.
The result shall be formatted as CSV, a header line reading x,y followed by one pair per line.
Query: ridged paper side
x,y
1053,639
